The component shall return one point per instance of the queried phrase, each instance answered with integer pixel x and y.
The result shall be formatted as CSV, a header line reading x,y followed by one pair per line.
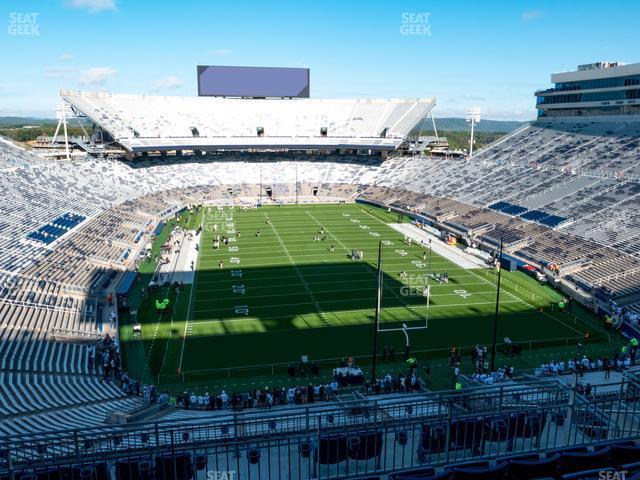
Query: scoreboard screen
x,y
222,81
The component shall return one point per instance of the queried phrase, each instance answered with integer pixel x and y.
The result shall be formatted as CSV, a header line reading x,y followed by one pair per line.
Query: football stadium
x,y
255,282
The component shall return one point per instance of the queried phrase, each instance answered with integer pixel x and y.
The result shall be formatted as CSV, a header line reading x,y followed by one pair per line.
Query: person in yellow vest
x,y
458,385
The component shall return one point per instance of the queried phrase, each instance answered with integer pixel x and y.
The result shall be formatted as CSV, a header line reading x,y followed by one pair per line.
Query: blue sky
x,y
492,54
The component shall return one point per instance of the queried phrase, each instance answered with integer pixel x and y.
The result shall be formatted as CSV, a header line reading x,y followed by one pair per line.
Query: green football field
x,y
282,294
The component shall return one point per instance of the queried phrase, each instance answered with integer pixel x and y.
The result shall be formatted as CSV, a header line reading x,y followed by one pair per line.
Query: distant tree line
x,y
20,134
460,140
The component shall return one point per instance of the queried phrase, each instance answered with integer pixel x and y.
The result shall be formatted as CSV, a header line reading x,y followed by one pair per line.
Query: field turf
x,y
282,295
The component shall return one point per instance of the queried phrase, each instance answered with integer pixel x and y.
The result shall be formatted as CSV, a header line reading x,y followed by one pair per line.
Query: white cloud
x,y
65,57
169,82
531,15
221,52
60,72
96,75
93,6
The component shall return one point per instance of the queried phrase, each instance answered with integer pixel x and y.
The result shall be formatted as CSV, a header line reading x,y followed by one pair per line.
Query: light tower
x,y
473,117
63,111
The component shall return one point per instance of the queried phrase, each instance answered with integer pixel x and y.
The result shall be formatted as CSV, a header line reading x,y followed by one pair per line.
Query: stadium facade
x,y
600,90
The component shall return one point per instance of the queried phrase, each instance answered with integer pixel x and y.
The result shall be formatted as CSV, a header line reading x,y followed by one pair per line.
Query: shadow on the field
x,y
313,295
263,315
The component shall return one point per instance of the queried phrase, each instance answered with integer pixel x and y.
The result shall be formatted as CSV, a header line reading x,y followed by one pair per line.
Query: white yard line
x,y
153,340
193,287
261,285
411,308
351,290
310,293
448,305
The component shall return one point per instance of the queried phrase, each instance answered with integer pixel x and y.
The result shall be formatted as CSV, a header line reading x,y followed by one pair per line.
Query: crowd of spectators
x,y
580,364
399,383
104,359
482,373
489,378
105,356
106,351
259,398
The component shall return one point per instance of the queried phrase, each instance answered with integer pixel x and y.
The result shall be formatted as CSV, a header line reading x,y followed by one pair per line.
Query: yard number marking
x,y
242,310
463,293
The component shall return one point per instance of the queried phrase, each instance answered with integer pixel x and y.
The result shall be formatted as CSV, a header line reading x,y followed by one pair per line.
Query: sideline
x,y
453,254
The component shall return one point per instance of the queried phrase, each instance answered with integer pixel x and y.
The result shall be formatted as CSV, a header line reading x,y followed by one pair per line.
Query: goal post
x,y
420,322
404,328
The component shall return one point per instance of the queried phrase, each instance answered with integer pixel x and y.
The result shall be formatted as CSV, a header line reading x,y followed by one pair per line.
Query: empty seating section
x,y
565,172
139,121
508,208
13,155
88,413
543,218
56,228
558,248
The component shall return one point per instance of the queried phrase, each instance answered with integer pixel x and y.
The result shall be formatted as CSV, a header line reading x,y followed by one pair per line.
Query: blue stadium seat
x,y
495,472
499,206
524,468
573,461
593,474
631,468
625,453
473,464
427,473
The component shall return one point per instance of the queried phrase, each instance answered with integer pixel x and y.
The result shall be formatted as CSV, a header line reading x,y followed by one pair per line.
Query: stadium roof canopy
x,y
142,123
